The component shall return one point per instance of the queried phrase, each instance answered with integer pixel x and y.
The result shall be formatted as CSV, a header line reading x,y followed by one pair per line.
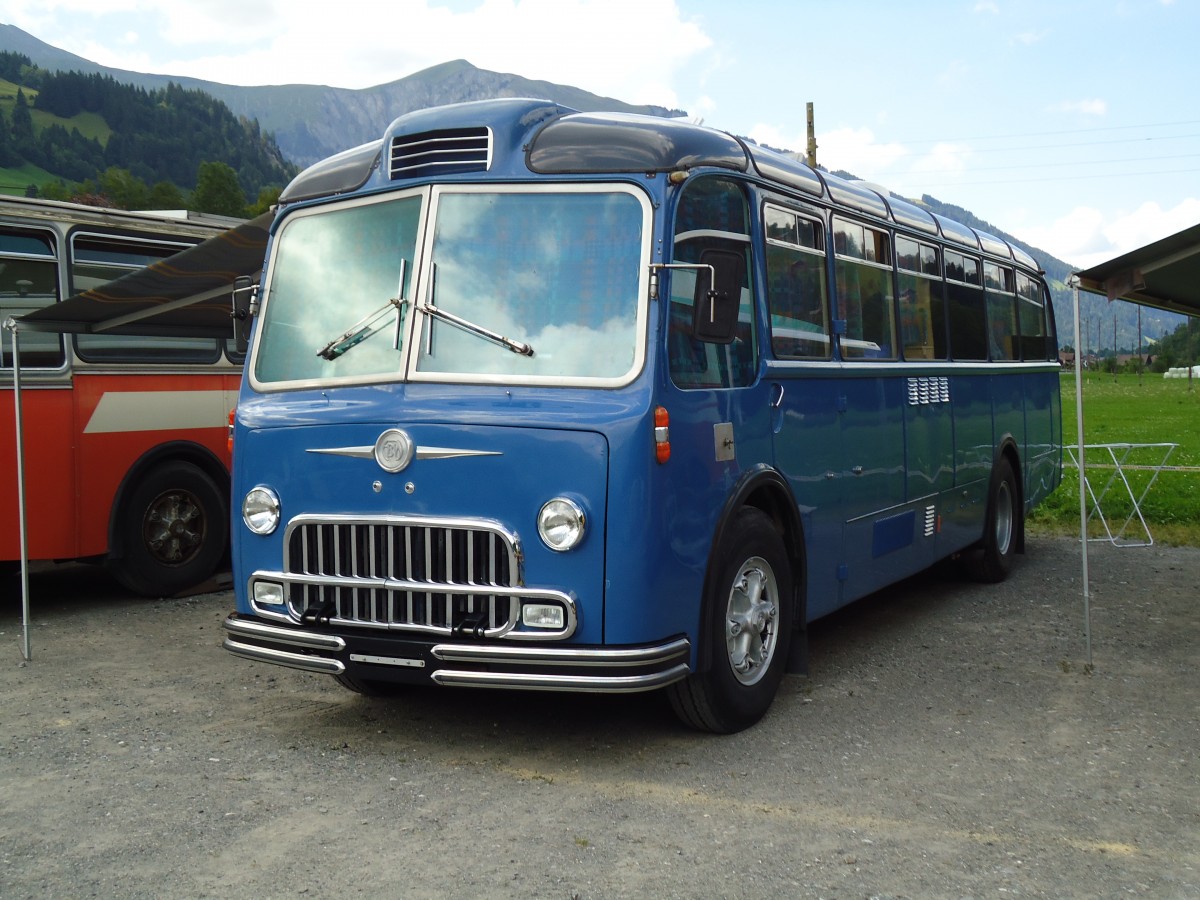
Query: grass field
x,y
1119,409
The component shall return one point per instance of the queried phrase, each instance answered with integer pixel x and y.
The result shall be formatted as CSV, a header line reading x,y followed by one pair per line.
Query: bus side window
x,y
98,259
796,291
713,215
1031,320
863,268
968,316
922,310
28,282
1001,311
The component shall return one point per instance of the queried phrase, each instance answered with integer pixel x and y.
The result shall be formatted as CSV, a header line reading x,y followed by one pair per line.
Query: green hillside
x,y
75,135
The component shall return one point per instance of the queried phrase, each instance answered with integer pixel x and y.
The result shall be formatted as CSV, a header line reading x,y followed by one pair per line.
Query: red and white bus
x,y
125,436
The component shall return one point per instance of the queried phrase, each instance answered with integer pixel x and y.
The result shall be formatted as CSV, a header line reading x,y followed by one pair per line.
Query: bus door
x,y
29,280
803,385
721,411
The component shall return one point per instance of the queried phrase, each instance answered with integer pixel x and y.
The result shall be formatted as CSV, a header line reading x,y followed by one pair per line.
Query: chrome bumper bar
x,y
586,669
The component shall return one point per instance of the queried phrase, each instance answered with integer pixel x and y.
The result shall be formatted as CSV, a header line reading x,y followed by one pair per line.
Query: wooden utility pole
x,y
812,137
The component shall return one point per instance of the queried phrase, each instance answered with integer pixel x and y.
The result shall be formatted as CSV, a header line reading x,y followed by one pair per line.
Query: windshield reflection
x,y
555,271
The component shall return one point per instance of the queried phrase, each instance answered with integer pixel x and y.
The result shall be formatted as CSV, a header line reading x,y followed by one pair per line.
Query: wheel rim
x,y
173,528
1004,518
750,620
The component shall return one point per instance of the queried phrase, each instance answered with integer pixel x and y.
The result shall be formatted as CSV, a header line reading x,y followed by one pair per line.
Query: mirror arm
x,y
654,267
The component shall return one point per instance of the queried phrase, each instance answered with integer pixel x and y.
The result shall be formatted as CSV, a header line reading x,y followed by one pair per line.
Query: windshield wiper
x,y
368,325
469,327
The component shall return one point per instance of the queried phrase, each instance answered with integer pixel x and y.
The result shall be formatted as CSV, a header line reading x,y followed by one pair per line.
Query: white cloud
x,y
587,43
853,149
1093,107
987,6
1086,236
1029,38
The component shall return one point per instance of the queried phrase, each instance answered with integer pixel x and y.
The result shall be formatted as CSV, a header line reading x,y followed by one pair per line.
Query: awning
x,y
1165,274
185,295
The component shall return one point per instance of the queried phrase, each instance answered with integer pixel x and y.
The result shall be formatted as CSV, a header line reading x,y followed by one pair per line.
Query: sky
x,y
1072,124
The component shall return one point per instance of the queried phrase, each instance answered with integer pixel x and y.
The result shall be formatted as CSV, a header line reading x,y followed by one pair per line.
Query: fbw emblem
x,y
393,450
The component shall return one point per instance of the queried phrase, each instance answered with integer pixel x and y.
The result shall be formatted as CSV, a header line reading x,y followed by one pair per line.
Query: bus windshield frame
x,y
460,284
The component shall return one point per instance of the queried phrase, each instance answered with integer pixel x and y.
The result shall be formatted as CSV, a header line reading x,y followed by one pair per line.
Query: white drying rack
x,y
1152,458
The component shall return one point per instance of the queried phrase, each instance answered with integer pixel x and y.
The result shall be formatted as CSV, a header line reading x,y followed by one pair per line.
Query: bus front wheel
x,y
748,630
173,530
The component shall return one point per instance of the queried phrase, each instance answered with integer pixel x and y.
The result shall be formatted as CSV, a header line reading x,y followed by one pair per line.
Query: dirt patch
x,y
950,741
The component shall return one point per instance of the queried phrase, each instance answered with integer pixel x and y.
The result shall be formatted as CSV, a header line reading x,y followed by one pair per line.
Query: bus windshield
x,y
514,285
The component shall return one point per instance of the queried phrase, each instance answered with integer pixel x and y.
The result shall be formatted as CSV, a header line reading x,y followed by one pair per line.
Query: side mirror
x,y
718,296
244,295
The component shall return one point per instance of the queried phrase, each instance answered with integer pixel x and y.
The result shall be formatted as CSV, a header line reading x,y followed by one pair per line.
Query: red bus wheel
x,y
173,531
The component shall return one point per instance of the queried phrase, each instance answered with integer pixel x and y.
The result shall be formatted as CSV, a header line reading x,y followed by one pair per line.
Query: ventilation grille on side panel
x,y
445,152
930,521
926,390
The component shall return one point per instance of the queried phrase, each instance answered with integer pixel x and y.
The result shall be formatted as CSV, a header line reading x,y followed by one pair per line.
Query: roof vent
x,y
447,151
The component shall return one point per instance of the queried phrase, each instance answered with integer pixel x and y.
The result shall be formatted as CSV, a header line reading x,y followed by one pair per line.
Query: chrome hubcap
x,y
750,620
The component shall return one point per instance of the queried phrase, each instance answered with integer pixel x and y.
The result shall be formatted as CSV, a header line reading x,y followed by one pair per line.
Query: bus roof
x,y
516,137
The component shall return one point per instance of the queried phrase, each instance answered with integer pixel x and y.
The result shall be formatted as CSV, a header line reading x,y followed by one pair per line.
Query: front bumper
x,y
494,665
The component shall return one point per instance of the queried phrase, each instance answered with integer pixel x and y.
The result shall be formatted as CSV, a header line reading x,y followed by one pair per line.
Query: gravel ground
x,y
950,741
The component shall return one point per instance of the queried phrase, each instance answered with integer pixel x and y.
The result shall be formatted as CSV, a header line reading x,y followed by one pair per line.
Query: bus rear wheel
x,y
1002,527
748,630
173,531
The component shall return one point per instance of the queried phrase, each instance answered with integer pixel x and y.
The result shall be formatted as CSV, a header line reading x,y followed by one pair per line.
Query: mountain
x,y
310,122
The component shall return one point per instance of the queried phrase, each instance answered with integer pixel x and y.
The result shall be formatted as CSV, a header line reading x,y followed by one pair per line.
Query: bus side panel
x,y
808,451
879,533
971,399
1043,436
50,499
1008,411
929,449
118,419
656,567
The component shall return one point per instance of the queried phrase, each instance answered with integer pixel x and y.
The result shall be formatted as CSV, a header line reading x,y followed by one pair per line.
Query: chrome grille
x,y
450,150
413,574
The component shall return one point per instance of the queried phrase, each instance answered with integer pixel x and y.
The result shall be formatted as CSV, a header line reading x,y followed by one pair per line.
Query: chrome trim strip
x,y
403,662
317,664
562,656
611,684
308,639
422,452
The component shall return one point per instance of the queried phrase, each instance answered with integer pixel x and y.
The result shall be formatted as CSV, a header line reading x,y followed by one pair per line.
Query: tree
x,y
22,127
267,197
165,195
123,189
217,190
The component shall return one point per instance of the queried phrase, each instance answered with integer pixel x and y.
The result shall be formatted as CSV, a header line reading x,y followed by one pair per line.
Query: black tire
x,y
1002,527
370,688
173,530
748,629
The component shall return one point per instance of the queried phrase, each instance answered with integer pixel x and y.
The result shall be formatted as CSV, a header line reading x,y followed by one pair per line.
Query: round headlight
x,y
260,510
561,524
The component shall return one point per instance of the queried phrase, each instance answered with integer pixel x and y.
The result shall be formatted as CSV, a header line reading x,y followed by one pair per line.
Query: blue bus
x,y
549,400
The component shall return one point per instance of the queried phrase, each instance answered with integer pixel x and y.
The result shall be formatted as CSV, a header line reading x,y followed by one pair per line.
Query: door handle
x,y
776,396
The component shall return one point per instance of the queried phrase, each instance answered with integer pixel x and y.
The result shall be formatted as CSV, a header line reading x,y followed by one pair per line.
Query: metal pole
x,y
26,650
1141,359
1083,538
